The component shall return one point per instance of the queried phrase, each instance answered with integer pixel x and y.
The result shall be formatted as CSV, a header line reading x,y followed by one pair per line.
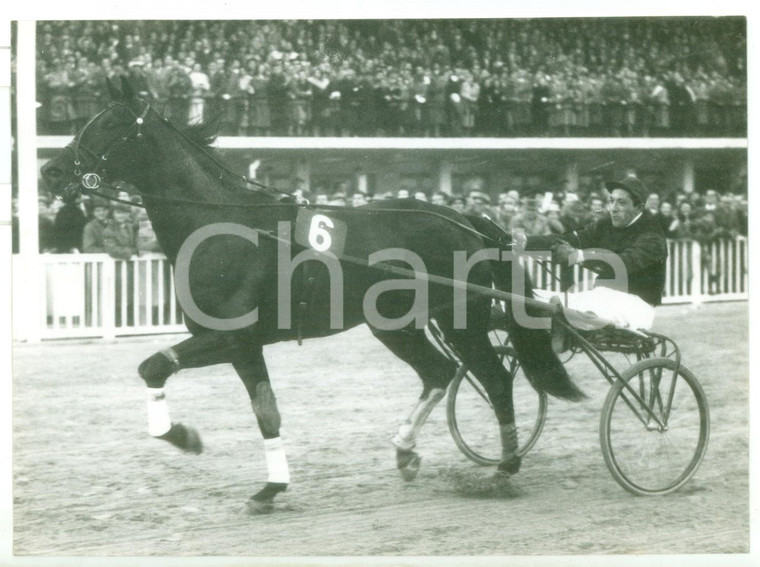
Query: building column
x,y
302,174
362,183
28,299
681,175
445,169
688,175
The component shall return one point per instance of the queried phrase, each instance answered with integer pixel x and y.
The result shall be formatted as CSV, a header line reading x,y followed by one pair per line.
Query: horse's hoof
x,y
263,501
258,508
408,463
509,467
186,438
193,443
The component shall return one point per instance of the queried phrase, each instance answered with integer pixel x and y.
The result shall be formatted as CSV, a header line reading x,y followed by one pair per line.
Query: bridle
x,y
92,179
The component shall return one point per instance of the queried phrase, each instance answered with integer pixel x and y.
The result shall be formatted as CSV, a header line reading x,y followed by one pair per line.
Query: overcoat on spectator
x,y
60,110
69,228
120,239
92,237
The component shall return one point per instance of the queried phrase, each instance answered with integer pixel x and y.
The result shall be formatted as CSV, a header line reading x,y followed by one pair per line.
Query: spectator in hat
x,y
574,214
457,202
683,226
69,226
506,210
479,204
119,235
653,203
597,208
338,199
553,220
530,220
201,86
358,199
667,219
439,198
145,238
92,235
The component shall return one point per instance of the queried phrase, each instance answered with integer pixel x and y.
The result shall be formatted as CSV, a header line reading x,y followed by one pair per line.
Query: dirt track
x,y
88,480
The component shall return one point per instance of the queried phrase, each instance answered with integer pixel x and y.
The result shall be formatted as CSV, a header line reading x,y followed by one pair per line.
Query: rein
x,y
148,197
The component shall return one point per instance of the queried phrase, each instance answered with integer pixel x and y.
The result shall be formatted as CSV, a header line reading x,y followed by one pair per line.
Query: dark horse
x,y
226,237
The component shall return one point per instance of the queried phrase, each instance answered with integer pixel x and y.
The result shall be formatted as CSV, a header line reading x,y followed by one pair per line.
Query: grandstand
x,y
539,77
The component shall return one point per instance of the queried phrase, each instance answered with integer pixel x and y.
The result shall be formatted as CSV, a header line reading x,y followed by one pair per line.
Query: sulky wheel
x,y
654,441
471,417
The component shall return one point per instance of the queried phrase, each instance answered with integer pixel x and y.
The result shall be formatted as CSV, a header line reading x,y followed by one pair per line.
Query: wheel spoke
x,y
663,455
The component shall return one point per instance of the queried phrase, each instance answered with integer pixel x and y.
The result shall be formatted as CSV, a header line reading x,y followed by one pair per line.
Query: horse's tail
x,y
533,347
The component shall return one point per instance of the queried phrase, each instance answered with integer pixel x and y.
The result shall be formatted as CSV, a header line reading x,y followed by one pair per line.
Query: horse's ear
x,y
112,90
126,89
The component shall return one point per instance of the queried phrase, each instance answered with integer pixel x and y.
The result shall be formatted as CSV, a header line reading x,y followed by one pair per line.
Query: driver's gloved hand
x,y
564,254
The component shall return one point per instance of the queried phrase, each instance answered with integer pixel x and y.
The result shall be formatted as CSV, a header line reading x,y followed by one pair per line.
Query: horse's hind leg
x,y
478,354
197,351
436,371
250,366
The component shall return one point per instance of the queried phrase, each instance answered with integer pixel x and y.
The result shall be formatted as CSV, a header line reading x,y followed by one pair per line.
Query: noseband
x,y
92,179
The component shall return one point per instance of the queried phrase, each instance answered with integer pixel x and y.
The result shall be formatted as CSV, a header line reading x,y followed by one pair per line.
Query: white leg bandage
x,y
277,462
159,421
407,432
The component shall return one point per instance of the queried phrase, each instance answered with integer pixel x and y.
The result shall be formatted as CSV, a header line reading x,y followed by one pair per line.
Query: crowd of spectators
x,y
95,225
537,77
84,224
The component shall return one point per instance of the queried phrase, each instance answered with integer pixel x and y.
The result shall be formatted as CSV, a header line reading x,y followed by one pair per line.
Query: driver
x,y
627,299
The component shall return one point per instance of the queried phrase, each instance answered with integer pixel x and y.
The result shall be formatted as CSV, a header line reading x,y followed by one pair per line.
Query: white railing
x,y
93,295
717,272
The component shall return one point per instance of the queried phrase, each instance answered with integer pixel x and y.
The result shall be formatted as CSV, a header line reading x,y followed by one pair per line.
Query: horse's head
x,y
111,145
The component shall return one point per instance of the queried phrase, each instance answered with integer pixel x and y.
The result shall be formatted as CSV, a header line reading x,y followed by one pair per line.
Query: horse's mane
x,y
204,134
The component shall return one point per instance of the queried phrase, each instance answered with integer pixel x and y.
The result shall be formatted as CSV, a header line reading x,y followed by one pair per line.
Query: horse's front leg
x,y
250,366
198,351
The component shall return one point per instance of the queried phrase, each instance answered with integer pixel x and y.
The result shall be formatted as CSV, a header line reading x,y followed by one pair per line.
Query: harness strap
x,y
173,357
307,289
115,199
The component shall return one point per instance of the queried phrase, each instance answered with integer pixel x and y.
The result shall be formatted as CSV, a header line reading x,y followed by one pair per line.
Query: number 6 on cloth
x,y
320,232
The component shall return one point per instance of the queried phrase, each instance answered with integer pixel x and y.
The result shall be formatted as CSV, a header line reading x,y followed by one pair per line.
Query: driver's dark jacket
x,y
641,246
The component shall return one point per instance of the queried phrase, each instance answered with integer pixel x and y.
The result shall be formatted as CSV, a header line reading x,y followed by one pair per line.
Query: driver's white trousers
x,y
601,306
